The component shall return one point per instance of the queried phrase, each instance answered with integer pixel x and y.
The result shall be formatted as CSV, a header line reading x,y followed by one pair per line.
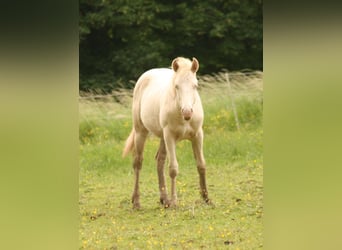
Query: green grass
x,y
234,177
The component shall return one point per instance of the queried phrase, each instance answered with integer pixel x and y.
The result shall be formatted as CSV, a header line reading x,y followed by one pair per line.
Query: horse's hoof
x,y
209,202
136,206
166,204
171,204
164,201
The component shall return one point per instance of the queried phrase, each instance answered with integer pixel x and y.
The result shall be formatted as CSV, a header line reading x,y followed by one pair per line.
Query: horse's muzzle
x,y
187,113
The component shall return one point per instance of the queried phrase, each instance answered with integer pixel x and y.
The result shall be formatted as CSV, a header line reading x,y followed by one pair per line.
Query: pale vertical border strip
x,y
233,102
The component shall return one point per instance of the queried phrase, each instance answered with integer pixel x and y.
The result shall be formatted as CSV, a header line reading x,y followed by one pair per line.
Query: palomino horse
x,y
167,104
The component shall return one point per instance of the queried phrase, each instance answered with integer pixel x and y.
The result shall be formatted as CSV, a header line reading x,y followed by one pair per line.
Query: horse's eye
x,y
176,86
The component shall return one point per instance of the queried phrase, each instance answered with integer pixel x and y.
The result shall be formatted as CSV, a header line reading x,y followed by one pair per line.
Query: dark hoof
x,y
171,204
209,202
166,203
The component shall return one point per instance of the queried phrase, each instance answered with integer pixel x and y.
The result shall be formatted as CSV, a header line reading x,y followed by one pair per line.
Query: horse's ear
x,y
195,65
174,64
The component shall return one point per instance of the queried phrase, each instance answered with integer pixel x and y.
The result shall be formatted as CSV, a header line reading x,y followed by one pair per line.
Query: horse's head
x,y
185,84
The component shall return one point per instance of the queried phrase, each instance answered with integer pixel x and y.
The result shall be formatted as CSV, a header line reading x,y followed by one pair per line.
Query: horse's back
x,y
152,83
148,92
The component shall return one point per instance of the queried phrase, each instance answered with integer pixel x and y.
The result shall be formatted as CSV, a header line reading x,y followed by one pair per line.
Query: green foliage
x,y
119,40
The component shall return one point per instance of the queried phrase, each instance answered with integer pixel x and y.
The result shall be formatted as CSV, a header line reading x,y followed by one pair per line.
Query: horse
x,y
166,103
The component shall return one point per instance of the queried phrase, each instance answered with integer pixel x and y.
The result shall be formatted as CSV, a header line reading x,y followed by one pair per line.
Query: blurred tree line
x,y
120,39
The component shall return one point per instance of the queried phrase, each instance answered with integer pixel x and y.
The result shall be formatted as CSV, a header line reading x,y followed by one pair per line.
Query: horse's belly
x,y
151,123
157,81
149,114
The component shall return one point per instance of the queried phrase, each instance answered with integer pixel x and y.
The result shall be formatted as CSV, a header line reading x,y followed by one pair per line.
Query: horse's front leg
x,y
197,147
170,143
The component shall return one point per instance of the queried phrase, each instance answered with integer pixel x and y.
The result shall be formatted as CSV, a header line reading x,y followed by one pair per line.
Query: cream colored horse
x,y
167,104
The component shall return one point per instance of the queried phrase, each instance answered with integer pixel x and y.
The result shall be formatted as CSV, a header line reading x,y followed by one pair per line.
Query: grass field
x,y
234,175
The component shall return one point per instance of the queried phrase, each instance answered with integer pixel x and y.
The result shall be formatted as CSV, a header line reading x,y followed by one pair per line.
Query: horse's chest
x,y
186,131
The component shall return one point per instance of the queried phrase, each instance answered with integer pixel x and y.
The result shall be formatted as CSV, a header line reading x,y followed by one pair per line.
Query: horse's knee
x,y
173,172
201,169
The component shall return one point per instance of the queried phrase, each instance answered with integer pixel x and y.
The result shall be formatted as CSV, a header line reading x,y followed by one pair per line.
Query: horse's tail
x,y
129,145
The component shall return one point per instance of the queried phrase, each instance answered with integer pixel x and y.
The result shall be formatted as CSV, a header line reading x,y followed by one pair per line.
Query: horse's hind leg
x,y
139,142
160,157
197,147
